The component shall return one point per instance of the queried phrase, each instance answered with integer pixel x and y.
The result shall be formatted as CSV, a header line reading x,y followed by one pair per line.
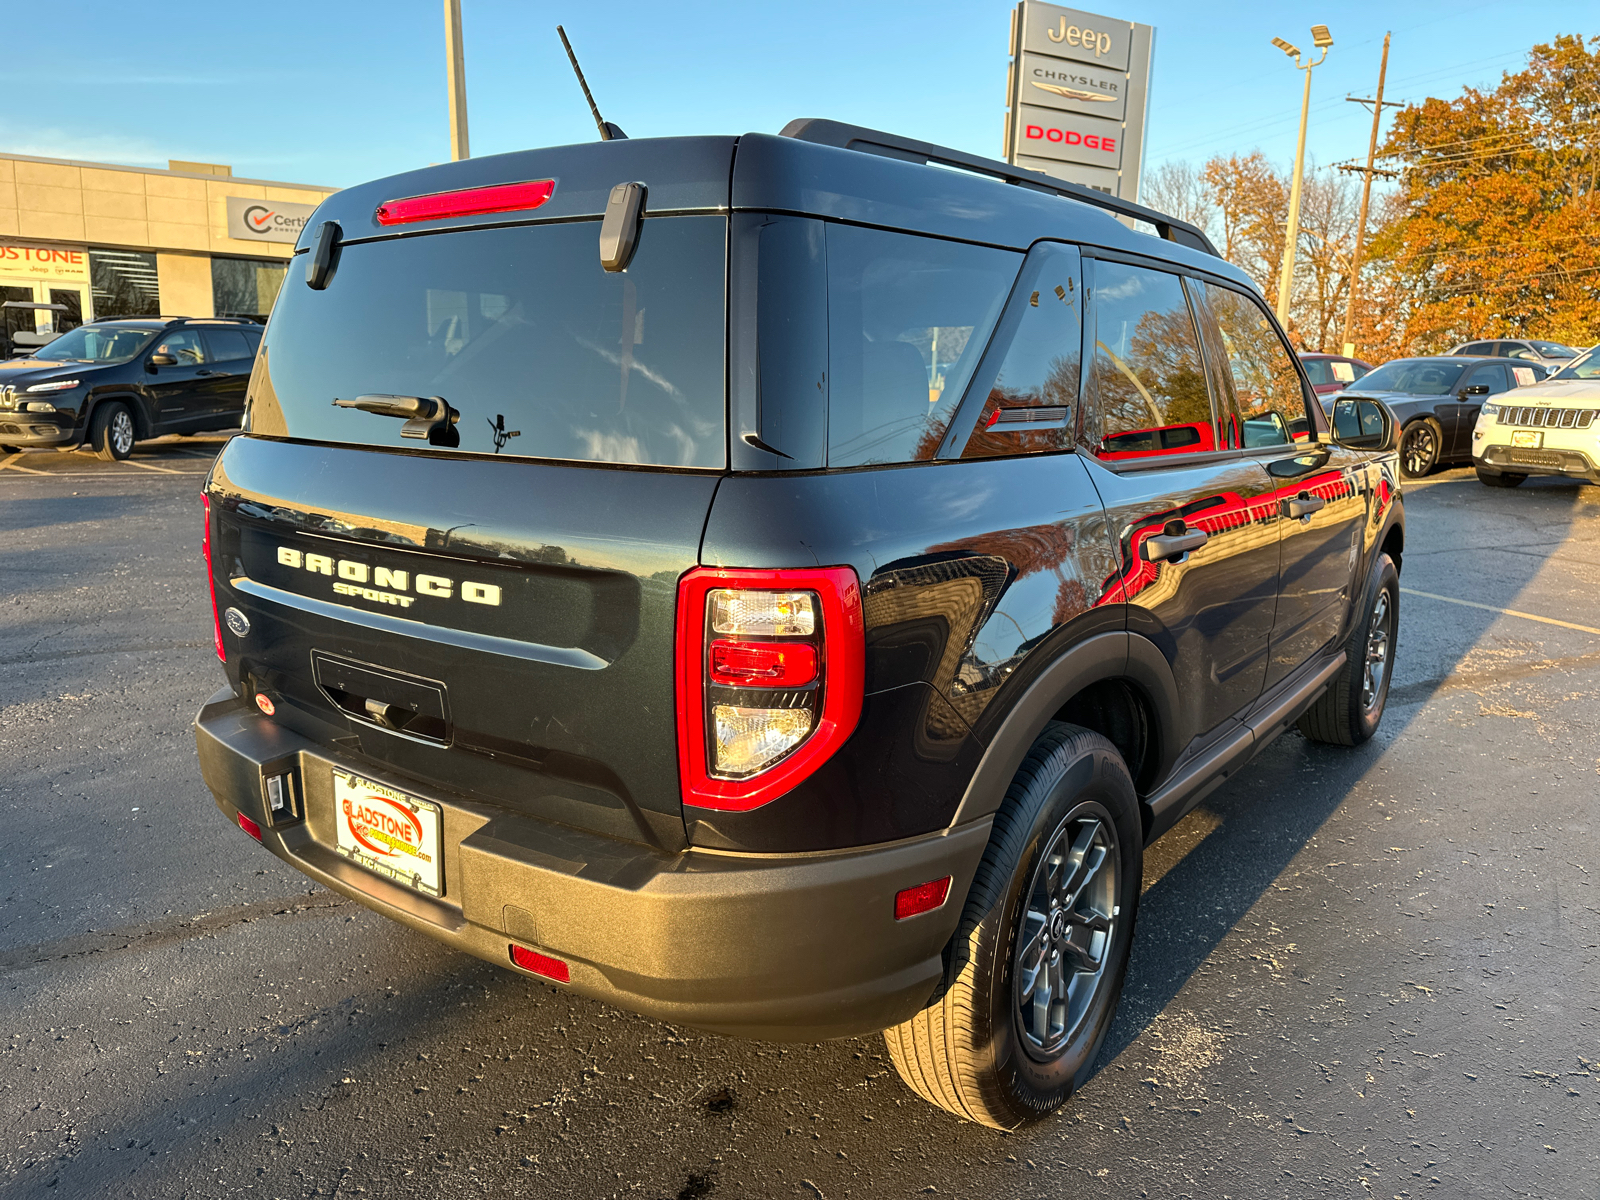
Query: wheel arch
x,y
1116,684
141,419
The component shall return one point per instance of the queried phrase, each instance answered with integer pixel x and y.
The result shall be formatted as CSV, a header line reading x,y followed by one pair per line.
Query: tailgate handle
x,y
406,704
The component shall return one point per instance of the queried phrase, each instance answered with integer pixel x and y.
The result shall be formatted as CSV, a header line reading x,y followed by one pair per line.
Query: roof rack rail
x,y
874,141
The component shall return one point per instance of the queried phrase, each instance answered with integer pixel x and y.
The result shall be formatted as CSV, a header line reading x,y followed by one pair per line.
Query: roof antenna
x,y
608,131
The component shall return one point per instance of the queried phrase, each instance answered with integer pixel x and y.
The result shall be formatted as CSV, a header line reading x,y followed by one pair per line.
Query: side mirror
x,y
162,360
1477,389
1364,425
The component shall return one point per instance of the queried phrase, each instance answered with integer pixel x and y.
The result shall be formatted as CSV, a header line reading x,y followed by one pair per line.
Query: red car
x,y
1333,372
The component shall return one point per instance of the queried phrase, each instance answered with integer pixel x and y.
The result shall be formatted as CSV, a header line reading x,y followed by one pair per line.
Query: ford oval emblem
x,y
237,621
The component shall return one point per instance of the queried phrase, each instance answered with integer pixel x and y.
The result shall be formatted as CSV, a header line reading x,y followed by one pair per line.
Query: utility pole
x,y
456,76
1322,39
1366,196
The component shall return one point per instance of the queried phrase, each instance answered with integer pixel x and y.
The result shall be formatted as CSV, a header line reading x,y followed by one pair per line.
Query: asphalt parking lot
x,y
1370,973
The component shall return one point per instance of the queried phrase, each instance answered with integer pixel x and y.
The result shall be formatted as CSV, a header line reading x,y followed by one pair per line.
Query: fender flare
x,y
1118,655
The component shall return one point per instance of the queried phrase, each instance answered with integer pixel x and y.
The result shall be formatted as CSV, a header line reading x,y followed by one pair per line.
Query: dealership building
x,y
96,240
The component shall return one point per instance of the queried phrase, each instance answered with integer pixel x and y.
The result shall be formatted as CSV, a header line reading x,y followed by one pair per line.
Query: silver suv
x,y
1550,354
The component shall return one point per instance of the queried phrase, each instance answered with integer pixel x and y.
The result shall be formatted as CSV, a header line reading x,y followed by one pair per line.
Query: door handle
x,y
1302,505
205,372
1171,545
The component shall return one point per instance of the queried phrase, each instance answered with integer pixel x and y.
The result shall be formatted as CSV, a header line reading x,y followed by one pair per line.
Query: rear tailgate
x,y
509,622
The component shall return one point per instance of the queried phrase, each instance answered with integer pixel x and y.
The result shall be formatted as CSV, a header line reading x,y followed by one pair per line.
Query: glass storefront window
x,y
245,287
124,283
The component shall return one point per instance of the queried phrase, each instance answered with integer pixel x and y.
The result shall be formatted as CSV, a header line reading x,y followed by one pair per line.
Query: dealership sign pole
x,y
1077,96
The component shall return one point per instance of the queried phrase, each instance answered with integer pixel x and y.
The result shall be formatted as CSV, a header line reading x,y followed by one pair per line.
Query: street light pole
x,y
456,77
1322,39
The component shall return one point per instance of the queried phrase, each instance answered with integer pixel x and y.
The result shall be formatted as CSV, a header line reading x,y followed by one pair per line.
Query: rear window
x,y
543,353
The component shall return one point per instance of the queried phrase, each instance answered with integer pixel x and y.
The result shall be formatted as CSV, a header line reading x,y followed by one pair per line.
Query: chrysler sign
x,y
1077,96
266,220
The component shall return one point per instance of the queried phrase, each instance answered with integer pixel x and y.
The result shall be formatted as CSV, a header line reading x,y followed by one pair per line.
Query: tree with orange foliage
x,y
1498,234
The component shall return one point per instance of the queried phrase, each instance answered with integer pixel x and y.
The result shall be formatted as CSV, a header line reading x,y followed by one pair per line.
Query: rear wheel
x,y
1349,711
1035,969
1419,448
111,431
1491,480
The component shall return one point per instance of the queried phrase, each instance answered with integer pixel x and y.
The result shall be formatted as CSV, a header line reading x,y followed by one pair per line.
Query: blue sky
x,y
354,89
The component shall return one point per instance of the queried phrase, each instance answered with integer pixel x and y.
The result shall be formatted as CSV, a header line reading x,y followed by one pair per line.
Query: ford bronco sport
x,y
778,586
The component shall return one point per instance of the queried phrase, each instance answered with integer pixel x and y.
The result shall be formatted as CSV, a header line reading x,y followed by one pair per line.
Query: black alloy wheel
x,y
1036,966
1419,448
1349,712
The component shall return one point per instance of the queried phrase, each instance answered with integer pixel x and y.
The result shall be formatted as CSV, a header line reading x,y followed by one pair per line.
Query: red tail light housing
x,y
466,202
211,582
771,669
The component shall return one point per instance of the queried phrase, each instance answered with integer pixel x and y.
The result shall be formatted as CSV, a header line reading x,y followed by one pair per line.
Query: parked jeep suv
x,y
778,586
112,383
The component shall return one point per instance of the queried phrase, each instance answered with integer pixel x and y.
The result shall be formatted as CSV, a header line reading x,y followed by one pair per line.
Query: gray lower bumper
x,y
1514,460
782,947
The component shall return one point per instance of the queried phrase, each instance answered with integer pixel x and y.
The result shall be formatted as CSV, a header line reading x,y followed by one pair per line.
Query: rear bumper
x,y
783,947
1509,460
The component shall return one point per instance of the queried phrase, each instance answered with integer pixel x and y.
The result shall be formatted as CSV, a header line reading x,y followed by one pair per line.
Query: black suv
x,y
778,585
111,383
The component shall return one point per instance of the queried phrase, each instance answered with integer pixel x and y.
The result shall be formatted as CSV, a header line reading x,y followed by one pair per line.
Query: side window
x,y
908,317
1519,350
1032,404
1477,348
1262,394
1494,377
228,345
1150,393
184,345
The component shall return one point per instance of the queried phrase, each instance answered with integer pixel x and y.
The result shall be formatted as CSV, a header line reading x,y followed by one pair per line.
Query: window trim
x,y
964,422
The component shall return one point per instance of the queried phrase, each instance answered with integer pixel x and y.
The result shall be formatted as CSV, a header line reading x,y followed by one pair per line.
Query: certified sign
x,y
266,220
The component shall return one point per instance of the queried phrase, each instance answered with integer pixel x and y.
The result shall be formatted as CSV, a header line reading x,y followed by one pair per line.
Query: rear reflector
x,y
249,826
265,704
541,964
925,897
469,202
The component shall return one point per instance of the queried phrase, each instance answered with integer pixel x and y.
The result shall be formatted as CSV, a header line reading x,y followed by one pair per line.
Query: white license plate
x,y
387,831
1527,439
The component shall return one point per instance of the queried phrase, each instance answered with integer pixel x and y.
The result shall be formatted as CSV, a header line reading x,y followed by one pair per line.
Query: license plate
x,y
388,832
1527,439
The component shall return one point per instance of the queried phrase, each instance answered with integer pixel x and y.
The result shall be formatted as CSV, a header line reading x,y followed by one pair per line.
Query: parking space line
x,y
128,462
15,463
1505,612
101,474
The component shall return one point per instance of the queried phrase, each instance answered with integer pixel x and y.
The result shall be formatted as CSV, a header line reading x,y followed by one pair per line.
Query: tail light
x,y
211,582
771,667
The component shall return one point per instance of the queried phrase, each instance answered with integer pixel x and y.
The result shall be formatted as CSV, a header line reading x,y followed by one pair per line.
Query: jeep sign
x,y
1076,96
266,220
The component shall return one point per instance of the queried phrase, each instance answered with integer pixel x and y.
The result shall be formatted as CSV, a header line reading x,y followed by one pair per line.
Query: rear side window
x,y
1477,348
228,345
907,320
542,352
1149,380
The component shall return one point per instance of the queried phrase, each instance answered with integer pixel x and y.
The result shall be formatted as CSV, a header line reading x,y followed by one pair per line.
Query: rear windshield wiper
x,y
427,418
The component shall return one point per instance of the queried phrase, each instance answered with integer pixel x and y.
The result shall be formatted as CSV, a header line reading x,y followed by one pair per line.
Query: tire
x,y
111,431
1420,443
1506,481
972,1050
1349,712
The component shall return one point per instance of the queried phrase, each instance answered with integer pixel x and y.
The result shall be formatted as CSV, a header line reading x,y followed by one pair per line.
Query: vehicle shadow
x,y
1207,874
